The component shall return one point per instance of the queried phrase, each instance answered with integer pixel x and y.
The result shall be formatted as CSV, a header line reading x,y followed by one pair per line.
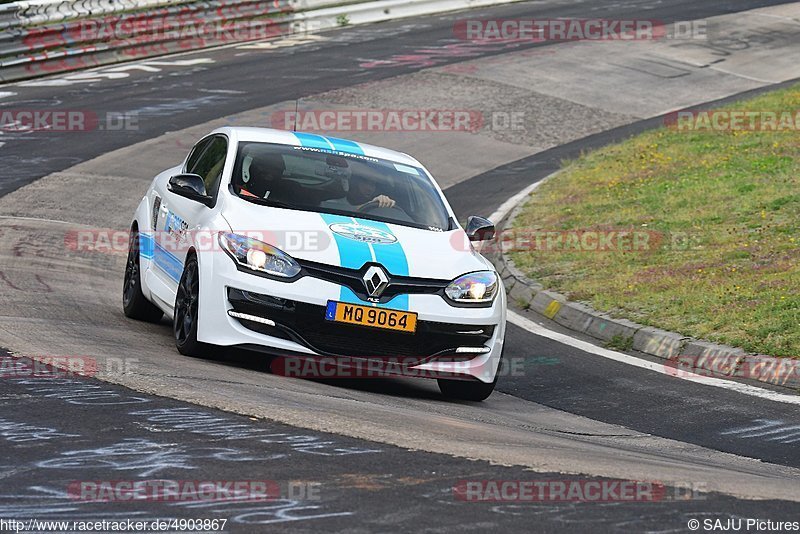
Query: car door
x,y
178,217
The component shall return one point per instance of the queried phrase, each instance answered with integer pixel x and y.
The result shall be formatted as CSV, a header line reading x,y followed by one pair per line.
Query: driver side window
x,y
207,160
195,154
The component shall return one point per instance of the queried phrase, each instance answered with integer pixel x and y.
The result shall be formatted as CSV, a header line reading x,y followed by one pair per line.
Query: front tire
x,y
187,300
469,390
134,304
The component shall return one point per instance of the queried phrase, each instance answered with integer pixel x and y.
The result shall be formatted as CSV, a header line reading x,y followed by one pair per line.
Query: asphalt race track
x,y
386,454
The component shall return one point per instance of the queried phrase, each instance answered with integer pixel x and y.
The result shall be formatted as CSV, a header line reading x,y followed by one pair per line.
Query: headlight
x,y
258,256
475,288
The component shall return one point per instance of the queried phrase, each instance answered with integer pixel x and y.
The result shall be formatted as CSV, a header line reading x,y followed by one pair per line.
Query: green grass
x,y
620,342
727,208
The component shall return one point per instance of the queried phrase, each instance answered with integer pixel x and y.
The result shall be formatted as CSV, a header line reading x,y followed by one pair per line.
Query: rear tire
x,y
134,304
184,322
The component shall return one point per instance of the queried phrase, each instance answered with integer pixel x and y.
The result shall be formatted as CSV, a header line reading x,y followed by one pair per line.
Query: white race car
x,y
309,247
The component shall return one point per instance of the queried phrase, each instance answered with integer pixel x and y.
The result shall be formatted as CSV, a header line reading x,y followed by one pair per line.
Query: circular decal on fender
x,y
363,233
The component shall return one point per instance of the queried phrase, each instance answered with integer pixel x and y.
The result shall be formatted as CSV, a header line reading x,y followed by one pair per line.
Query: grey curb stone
x,y
606,328
516,273
521,294
574,316
694,355
713,359
778,371
704,348
542,303
658,342
508,278
509,286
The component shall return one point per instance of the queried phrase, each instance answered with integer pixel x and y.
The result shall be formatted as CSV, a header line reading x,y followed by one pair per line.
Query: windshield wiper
x,y
267,202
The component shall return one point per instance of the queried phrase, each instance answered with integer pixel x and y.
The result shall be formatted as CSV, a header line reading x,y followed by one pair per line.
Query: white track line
x,y
41,219
506,207
585,346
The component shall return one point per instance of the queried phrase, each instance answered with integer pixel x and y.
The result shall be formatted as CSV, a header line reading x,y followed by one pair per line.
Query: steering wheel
x,y
374,204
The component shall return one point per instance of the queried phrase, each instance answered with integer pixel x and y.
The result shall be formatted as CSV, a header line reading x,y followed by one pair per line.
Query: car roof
x,y
315,140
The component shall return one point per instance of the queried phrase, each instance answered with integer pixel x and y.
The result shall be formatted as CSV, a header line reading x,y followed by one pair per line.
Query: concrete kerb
x,y
686,353
726,360
777,371
667,345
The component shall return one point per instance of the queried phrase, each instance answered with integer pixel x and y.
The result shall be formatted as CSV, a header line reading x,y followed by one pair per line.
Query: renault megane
x,y
301,245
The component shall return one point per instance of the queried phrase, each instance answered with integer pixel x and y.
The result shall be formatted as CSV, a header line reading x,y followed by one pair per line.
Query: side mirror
x,y
190,186
479,229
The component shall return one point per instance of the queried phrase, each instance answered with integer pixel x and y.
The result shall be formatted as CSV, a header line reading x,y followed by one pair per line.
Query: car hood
x,y
351,242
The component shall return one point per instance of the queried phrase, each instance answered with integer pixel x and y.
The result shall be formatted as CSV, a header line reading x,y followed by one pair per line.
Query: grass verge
x,y
720,212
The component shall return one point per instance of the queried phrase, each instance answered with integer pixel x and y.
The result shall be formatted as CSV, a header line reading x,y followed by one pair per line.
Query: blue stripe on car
x,y
168,262
146,245
312,140
352,254
393,258
328,143
345,145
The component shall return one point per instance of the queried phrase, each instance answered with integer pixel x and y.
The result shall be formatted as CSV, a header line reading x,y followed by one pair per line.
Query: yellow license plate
x,y
342,312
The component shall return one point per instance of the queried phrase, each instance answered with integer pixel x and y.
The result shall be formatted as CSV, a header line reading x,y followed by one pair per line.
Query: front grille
x,y
306,324
353,279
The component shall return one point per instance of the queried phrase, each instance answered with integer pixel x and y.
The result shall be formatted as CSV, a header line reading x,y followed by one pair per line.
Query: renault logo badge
x,y
375,281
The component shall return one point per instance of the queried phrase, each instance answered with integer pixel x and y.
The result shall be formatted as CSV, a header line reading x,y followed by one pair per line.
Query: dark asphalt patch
x,y
604,390
78,429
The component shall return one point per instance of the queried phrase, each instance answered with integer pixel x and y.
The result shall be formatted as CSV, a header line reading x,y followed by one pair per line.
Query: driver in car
x,y
264,179
363,190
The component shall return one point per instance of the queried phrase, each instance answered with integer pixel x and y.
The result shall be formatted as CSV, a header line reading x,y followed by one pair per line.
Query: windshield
x,y
329,181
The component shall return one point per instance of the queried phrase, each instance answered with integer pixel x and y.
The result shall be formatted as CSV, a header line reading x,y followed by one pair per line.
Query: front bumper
x,y
453,342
